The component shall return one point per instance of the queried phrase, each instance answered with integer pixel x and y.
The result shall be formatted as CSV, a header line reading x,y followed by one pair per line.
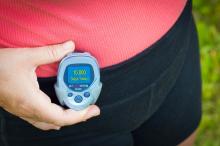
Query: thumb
x,y
51,53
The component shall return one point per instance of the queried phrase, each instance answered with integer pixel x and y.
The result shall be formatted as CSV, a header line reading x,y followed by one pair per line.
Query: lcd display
x,y
78,77
79,74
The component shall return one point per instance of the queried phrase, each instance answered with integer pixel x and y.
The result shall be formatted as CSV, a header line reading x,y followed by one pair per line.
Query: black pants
x,y
153,98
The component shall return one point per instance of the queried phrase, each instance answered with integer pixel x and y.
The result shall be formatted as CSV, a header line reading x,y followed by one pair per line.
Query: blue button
x,y
86,94
70,94
78,99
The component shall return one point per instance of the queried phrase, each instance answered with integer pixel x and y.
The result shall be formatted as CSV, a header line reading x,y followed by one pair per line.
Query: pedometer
x,y
78,80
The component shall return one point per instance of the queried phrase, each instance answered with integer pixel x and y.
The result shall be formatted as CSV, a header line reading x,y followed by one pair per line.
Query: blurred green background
x,y
207,15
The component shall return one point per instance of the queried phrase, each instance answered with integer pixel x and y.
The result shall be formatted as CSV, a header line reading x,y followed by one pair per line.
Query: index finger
x,y
49,112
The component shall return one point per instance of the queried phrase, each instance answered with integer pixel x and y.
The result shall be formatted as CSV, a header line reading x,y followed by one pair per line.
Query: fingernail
x,y
94,111
57,128
68,45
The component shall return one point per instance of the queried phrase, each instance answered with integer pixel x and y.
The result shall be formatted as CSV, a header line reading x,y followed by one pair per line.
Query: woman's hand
x,y
20,93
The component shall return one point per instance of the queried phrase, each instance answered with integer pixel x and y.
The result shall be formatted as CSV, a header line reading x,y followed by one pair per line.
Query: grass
x,y
207,14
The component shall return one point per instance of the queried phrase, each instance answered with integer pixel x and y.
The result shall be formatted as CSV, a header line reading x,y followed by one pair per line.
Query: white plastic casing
x,y
62,90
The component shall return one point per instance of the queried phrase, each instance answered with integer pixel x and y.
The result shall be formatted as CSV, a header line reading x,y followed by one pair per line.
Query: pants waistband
x,y
156,70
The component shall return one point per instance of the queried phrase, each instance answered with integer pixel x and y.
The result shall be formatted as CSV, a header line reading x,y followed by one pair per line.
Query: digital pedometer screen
x,y
79,76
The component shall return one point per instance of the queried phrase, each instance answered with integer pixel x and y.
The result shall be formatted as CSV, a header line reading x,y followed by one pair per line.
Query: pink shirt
x,y
110,30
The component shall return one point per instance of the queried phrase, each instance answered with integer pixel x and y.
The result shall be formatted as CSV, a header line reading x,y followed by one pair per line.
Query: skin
x,y
190,140
27,101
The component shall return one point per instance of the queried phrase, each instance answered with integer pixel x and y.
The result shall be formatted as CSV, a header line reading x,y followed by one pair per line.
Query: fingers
x,y
26,100
61,117
49,54
41,125
54,114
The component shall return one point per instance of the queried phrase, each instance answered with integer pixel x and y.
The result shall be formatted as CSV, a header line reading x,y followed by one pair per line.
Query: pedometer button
x,y
70,94
78,99
86,94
